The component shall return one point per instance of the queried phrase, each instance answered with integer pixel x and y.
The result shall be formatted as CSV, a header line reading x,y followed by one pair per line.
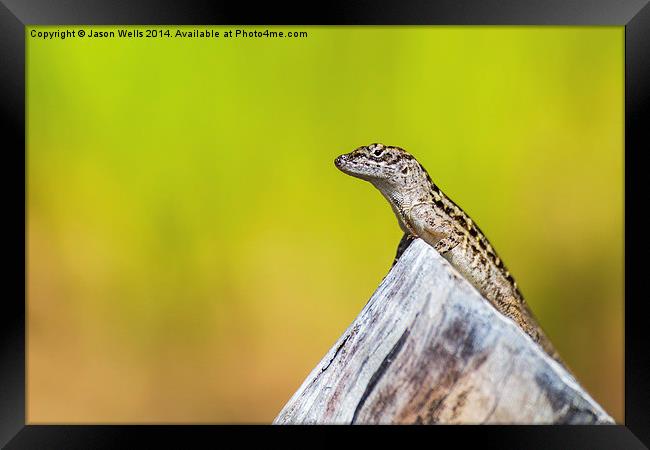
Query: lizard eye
x,y
405,170
378,152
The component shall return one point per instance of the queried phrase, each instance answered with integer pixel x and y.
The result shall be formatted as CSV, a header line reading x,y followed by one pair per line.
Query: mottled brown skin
x,y
424,211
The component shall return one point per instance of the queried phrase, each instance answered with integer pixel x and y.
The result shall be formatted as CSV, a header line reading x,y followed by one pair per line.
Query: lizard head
x,y
384,166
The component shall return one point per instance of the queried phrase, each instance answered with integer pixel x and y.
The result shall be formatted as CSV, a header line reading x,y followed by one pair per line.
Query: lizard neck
x,y
401,202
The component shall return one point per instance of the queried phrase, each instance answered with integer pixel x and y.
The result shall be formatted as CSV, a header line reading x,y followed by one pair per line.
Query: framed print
x,y
195,253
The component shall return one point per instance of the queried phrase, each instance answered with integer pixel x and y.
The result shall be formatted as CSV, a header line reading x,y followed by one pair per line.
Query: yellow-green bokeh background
x,y
193,252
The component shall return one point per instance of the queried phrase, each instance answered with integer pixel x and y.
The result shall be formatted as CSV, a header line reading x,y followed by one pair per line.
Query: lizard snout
x,y
340,161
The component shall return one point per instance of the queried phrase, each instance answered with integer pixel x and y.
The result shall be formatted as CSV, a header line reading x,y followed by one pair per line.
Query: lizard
x,y
424,211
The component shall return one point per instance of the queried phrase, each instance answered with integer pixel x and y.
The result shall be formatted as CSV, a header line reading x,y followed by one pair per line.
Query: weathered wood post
x,y
427,348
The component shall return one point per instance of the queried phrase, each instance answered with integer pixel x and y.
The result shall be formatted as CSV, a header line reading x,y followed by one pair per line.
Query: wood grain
x,y
426,349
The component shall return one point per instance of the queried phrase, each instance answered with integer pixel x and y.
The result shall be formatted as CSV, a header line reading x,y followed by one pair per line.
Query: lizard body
x,y
425,212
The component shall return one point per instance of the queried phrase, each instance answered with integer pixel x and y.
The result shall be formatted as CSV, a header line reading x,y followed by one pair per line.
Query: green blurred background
x,y
193,252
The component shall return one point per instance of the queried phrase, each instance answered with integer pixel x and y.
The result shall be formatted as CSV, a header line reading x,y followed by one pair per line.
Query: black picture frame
x,y
15,15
